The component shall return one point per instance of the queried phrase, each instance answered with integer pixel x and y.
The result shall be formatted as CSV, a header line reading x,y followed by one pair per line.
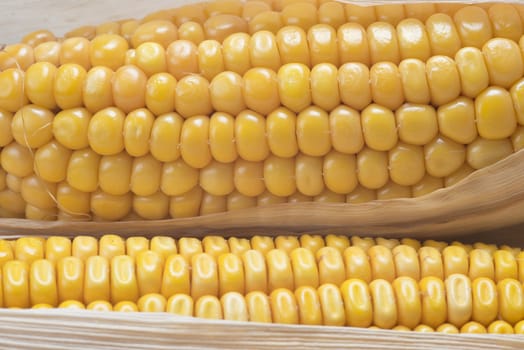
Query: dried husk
x,y
78,329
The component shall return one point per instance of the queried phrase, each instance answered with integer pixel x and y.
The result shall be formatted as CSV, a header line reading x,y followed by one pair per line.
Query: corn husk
x,y
69,329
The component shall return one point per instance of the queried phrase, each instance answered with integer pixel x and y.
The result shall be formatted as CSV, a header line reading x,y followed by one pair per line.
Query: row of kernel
x,y
86,170
263,91
253,137
440,80
380,42
402,302
201,141
345,257
351,43
217,187
101,206
181,190
286,261
472,22
183,305
56,247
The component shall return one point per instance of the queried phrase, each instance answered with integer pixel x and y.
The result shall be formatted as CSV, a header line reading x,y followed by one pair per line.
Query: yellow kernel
x,y
176,276
221,137
294,86
12,96
250,136
281,133
406,164
414,81
234,306
32,126
473,71
417,124
443,79
409,303
180,304
332,305
443,156
495,115
108,50
194,146
383,42
473,26
413,39
39,83
372,168
160,93
68,85
354,87
378,126
284,307
483,152
434,306
459,299
352,43
385,312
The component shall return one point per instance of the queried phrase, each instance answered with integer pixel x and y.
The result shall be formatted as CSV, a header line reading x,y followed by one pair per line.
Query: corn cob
x,y
87,270
92,130
286,279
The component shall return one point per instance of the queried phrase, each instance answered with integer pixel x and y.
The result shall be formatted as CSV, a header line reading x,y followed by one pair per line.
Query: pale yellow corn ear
x,y
215,107
331,280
